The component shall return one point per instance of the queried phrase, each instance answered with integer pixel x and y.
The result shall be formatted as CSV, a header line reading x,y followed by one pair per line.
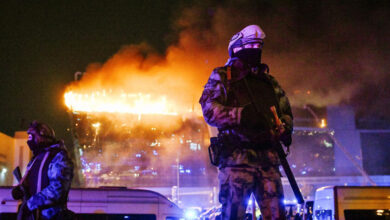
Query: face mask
x,y
34,147
251,56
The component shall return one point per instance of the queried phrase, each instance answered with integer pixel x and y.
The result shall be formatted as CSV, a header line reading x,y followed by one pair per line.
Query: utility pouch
x,y
221,147
215,150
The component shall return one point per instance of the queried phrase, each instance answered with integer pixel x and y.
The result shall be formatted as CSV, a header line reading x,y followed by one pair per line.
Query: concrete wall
x,y
13,152
6,159
22,153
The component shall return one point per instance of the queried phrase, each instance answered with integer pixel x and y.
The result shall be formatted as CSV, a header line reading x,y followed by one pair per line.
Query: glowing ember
x,y
112,102
323,123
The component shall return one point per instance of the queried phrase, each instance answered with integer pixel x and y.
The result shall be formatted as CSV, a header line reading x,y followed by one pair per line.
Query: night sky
x,y
43,43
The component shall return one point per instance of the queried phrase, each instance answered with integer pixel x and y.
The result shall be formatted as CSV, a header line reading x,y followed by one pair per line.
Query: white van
x,y
107,203
352,202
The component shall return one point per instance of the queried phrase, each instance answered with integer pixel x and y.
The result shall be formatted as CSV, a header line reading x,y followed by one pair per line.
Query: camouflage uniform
x,y
56,180
245,169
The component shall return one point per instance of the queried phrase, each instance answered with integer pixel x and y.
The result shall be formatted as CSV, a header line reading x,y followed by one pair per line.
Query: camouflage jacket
x,y
218,114
53,196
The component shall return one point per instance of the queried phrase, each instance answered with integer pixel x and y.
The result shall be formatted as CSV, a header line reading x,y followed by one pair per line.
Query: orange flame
x,y
130,82
110,102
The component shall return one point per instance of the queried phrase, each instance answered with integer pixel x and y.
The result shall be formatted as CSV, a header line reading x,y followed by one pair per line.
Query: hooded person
x,y
46,183
237,100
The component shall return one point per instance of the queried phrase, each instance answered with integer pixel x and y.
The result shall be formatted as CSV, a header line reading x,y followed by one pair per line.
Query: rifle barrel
x,y
289,174
17,174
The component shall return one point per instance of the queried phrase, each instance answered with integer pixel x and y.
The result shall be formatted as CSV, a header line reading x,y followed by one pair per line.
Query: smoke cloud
x,y
322,53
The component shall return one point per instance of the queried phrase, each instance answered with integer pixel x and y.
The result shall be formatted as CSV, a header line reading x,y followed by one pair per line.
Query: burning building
x,y
139,143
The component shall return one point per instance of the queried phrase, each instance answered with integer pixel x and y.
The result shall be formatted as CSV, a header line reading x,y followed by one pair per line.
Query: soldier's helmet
x,y
250,34
42,129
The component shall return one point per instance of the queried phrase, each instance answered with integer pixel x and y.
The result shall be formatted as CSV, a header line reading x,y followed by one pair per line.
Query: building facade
x,y
13,152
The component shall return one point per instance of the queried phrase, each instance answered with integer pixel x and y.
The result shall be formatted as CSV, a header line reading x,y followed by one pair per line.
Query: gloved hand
x,y
287,122
285,136
18,192
282,133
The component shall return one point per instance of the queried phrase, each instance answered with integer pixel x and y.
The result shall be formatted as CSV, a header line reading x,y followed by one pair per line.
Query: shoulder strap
x,y
39,184
50,153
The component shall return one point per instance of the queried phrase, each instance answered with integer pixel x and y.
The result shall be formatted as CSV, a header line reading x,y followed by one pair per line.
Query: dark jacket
x,y
52,170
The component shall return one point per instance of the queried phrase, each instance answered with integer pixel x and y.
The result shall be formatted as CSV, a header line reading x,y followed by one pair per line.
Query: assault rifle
x,y
283,160
278,147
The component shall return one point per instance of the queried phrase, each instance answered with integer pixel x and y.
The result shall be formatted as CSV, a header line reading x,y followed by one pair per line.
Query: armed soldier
x,y
45,186
237,100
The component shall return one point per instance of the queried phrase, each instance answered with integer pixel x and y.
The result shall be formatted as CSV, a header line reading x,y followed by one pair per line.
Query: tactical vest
x,y
263,94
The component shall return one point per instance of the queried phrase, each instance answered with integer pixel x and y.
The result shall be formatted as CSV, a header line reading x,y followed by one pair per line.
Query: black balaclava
x,y
33,145
251,56
42,137
36,146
